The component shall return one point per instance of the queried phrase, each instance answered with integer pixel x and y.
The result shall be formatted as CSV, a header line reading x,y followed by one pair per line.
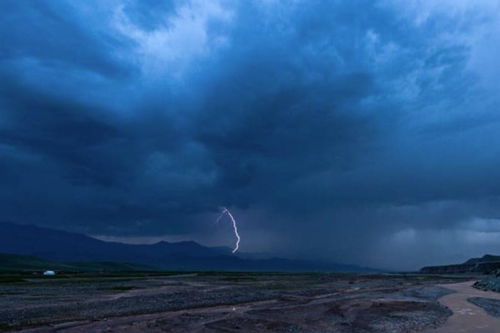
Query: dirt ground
x,y
473,310
226,302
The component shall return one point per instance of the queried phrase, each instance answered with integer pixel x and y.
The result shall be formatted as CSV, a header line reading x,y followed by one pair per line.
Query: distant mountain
x,y
483,259
484,265
61,246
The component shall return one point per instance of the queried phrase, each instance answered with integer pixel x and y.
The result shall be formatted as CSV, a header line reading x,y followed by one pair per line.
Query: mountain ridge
x,y
484,265
63,246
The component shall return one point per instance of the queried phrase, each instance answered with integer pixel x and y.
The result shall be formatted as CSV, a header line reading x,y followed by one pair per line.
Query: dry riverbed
x,y
225,302
474,310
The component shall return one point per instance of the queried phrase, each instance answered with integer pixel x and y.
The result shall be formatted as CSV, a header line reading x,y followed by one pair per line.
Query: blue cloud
x,y
144,117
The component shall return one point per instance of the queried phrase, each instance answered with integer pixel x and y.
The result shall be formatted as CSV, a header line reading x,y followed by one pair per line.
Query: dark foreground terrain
x,y
222,302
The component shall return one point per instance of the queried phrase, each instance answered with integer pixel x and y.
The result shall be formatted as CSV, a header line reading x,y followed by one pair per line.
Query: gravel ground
x,y
225,302
491,306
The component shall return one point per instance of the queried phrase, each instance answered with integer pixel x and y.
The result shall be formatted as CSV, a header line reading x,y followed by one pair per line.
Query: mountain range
x,y
61,246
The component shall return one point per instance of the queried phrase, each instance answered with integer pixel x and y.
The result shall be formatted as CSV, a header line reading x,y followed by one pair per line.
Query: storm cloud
x,y
353,131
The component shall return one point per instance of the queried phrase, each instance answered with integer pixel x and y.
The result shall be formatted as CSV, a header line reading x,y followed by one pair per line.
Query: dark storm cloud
x,y
149,14
52,33
322,123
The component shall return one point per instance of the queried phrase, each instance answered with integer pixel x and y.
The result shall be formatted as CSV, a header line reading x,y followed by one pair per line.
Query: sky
x,y
362,132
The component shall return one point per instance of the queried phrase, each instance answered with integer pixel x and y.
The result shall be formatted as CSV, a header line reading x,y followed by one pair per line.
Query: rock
x,y
491,282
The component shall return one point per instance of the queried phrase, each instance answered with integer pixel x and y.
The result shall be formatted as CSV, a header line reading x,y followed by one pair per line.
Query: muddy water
x,y
467,317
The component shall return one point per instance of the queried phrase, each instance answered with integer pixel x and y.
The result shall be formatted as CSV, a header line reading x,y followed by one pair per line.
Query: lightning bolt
x,y
226,211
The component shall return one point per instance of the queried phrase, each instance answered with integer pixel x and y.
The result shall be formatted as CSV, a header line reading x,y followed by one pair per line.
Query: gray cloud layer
x,y
360,131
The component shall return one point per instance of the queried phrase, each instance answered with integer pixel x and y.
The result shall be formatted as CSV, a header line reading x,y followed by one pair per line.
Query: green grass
x,y
11,279
14,263
24,263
